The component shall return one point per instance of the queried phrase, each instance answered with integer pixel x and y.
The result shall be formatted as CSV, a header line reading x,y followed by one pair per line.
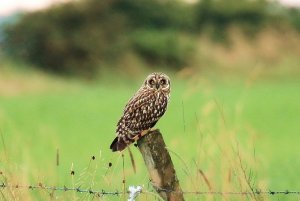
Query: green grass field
x,y
227,127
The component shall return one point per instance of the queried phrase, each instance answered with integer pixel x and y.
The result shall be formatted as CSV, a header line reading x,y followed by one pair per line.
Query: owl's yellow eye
x,y
162,82
151,82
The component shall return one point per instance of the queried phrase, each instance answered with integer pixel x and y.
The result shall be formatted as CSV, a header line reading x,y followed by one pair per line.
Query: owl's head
x,y
158,81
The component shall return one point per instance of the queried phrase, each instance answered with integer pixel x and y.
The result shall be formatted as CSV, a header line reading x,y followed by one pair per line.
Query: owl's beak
x,y
156,85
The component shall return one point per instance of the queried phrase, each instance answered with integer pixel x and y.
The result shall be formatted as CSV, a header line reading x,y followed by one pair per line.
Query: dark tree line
x,y
80,37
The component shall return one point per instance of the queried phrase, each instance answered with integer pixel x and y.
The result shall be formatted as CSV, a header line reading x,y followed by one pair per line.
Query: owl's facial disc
x,y
156,81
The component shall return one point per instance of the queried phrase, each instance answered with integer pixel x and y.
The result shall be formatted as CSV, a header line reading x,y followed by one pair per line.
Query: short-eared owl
x,y
143,110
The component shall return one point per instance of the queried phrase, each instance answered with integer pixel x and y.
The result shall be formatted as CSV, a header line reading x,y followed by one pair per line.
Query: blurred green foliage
x,y
163,47
220,15
81,37
294,17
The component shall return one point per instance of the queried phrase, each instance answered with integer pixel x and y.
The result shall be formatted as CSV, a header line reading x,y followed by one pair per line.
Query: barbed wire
x,y
40,186
102,192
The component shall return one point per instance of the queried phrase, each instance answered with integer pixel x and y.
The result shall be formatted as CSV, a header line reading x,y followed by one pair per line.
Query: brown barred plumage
x,y
143,110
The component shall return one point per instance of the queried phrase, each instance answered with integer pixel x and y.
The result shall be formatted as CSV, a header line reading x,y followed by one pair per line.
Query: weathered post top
x,y
160,166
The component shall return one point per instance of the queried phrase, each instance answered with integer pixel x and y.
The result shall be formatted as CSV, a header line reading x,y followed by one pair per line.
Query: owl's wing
x,y
140,99
137,113
141,113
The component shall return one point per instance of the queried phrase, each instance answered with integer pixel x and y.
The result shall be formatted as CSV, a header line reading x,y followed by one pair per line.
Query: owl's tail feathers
x,y
118,144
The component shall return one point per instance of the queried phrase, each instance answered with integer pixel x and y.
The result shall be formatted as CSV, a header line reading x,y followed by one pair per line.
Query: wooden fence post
x,y
160,166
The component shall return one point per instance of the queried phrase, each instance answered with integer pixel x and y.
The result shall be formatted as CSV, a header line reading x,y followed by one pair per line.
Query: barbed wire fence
x,y
134,191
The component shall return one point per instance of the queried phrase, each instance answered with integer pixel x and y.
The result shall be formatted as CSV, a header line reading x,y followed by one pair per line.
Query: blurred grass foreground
x,y
66,73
